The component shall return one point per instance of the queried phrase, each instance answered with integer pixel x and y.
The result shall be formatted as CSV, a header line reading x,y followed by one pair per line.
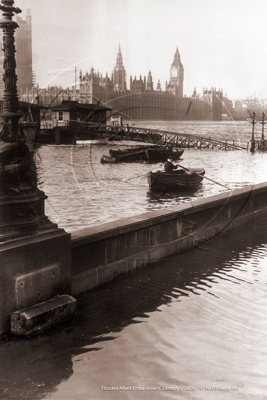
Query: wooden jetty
x,y
157,136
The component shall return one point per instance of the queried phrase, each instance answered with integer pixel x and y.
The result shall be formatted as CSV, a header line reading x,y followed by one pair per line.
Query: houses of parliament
x,y
143,100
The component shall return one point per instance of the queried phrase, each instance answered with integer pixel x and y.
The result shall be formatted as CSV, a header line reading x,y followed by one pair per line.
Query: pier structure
x,y
157,136
34,252
169,138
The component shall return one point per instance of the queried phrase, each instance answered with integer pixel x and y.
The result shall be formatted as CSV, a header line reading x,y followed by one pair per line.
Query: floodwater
x,y
82,192
191,327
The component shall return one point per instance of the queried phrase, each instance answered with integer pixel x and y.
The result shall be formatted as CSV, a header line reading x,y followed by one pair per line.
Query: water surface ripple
x,y
82,192
195,322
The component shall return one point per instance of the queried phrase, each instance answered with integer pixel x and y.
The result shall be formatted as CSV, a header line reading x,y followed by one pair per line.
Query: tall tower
x,y
119,74
149,85
23,39
176,76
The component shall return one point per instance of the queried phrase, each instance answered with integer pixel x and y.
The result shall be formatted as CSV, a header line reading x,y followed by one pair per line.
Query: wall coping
x,y
111,229
35,238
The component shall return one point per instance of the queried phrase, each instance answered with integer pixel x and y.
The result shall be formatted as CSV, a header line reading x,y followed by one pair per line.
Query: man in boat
x,y
169,166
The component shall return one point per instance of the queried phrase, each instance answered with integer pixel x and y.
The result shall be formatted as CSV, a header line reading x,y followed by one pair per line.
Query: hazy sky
x,y
222,43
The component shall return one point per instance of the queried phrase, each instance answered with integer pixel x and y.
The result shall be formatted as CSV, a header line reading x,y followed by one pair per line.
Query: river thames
x,y
83,192
190,327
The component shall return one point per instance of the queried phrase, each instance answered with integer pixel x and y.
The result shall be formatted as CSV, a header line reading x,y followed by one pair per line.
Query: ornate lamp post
x,y
262,141
21,202
262,122
34,253
252,148
11,114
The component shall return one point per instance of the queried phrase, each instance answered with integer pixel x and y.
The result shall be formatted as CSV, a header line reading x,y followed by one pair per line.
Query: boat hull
x,y
152,155
119,152
96,141
181,180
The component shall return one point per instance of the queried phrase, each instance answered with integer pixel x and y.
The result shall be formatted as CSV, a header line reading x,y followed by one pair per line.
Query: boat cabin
x,y
71,113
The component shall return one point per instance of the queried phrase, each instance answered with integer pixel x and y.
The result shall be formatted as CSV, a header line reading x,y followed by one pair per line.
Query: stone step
x,y
35,319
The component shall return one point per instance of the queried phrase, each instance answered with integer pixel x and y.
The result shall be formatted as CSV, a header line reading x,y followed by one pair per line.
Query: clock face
x,y
174,73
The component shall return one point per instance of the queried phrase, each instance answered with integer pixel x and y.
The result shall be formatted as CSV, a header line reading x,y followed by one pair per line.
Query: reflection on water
x,y
197,320
83,192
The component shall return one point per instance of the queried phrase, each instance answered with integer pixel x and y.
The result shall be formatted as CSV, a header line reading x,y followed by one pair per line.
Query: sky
x,y
222,43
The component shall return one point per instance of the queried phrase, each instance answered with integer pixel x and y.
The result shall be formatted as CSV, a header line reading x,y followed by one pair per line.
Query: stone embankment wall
x,y
103,252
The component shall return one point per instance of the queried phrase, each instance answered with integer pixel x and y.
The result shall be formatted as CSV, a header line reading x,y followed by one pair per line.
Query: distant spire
x,y
119,57
176,60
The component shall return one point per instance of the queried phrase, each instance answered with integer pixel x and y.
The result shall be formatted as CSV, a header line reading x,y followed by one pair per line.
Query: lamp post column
x,y
21,202
262,141
252,148
35,255
262,122
11,114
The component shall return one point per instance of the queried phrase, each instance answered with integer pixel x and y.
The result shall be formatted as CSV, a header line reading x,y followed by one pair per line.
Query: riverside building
x,y
143,100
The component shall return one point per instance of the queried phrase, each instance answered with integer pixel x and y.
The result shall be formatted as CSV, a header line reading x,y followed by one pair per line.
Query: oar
x,y
139,176
203,176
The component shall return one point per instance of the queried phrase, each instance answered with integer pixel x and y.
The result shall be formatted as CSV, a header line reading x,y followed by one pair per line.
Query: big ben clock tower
x,y
176,76
119,74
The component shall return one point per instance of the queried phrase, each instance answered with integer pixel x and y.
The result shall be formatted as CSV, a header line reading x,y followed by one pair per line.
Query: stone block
x,y
33,269
41,316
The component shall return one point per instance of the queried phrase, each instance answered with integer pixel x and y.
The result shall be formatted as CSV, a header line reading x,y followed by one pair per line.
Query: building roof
x,y
68,105
23,105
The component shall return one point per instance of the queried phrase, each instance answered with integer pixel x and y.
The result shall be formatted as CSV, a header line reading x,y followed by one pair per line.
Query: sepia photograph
x,y
133,200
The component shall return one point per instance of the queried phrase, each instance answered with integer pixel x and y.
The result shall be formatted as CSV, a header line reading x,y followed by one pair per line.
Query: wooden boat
x,y
127,158
149,153
119,152
180,179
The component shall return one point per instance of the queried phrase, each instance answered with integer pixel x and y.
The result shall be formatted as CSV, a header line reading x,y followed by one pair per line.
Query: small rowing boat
x,y
181,179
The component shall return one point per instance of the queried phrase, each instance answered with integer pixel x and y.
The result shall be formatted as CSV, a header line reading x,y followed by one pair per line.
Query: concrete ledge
x,y
145,220
102,253
41,316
